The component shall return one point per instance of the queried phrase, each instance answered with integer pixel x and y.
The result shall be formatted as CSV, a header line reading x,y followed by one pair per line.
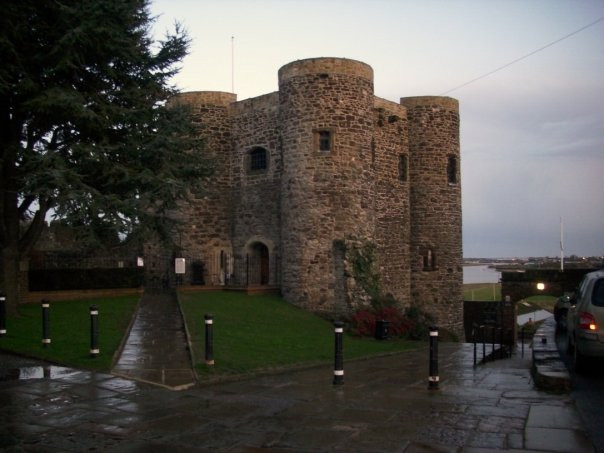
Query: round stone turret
x,y
435,199
326,107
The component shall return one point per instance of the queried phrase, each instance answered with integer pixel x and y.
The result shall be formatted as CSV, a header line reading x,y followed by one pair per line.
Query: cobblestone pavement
x,y
384,405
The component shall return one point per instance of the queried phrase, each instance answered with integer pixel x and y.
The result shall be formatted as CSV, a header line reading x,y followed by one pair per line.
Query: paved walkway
x,y
384,405
156,349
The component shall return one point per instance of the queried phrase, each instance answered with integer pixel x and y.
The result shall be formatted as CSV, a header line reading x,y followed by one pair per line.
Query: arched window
x,y
258,159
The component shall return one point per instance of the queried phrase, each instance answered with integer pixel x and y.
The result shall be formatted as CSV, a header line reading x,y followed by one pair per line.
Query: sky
x,y
532,131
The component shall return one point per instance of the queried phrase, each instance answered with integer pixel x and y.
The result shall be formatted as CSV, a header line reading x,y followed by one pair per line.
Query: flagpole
x,y
561,245
232,64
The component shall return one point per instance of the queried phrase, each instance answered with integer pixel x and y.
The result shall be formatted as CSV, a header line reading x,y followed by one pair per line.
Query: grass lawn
x,y
482,291
70,331
535,303
485,292
255,332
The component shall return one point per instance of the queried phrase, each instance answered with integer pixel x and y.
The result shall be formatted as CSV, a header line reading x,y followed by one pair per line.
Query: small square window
x,y
325,141
258,160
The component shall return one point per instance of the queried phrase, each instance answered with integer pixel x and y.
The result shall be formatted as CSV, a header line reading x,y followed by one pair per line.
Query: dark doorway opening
x,y
261,267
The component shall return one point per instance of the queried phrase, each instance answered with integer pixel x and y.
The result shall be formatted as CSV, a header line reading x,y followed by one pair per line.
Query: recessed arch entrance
x,y
258,258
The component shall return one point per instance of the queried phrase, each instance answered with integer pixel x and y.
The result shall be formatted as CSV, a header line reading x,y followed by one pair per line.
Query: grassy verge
x,y
482,291
535,303
70,331
257,332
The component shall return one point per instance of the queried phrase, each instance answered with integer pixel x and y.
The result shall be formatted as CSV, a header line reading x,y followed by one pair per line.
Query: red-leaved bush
x,y
363,322
410,324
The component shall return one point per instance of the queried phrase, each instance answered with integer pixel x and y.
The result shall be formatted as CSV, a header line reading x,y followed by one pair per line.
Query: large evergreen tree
x,y
85,132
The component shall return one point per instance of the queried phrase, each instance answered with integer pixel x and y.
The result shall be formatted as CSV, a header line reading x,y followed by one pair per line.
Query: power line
x,y
524,57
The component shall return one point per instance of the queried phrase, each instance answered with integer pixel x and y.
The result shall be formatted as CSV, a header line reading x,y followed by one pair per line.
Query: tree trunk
x,y
10,278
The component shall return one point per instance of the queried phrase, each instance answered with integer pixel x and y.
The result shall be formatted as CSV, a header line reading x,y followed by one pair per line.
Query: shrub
x,y
413,323
363,322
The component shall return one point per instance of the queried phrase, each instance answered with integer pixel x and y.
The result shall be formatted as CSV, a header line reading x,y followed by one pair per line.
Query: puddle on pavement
x,y
36,372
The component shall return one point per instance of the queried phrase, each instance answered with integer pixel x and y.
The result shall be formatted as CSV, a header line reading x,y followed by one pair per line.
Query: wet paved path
x,y
384,405
156,349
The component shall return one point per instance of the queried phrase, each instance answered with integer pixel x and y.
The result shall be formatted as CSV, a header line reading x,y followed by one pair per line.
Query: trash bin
x,y
381,329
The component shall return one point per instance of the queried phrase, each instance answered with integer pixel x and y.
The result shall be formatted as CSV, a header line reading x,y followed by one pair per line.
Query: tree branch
x,y
25,204
27,241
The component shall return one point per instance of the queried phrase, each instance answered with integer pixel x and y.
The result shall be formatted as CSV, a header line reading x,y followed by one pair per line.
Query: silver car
x,y
585,320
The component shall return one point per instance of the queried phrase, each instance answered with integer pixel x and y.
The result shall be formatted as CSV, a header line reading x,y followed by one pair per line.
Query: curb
x,y
548,370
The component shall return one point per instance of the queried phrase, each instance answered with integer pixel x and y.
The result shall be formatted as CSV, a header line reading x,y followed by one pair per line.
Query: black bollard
x,y
209,323
94,331
433,377
493,343
45,323
522,339
501,351
484,346
474,328
2,315
338,368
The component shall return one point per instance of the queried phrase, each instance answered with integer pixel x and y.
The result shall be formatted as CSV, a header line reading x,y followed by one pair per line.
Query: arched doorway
x,y
259,270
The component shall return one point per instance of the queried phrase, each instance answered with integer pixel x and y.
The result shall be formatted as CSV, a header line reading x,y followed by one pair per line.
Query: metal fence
x,y
160,271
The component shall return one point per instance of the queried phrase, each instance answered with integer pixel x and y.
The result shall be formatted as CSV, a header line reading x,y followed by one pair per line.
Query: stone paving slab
x,y
156,350
384,405
549,371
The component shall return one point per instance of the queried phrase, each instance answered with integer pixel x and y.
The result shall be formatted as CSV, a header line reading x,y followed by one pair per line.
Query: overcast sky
x,y
532,133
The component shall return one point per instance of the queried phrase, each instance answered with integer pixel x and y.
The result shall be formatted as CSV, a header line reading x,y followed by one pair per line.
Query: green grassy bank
x,y
70,331
258,332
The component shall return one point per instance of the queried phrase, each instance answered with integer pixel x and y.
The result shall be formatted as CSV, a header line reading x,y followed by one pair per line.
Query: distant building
x,y
322,172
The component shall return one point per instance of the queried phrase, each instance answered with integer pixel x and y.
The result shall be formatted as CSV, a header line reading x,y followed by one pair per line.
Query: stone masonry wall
x,y
436,253
384,184
389,143
256,194
206,227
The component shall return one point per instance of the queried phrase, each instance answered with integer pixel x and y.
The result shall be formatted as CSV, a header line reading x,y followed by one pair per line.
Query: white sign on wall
x,y
179,265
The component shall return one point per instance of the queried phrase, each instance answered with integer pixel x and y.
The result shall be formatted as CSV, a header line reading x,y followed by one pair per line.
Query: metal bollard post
x,y
484,347
501,351
45,323
2,314
474,327
338,368
493,343
209,323
522,339
94,331
433,377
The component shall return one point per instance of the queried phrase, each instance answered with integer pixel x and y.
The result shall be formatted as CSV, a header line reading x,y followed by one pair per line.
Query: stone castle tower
x,y
321,173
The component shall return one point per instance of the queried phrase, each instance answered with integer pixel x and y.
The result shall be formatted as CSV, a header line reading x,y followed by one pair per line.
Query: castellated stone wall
x,y
341,172
207,219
